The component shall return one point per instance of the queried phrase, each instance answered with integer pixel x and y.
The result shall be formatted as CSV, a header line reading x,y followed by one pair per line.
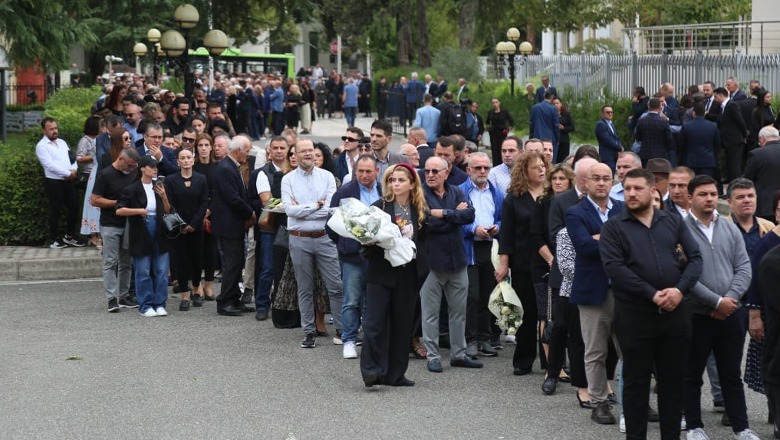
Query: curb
x,y
51,269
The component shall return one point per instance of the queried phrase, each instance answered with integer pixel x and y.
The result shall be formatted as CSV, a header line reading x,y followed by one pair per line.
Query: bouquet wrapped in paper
x,y
504,303
371,225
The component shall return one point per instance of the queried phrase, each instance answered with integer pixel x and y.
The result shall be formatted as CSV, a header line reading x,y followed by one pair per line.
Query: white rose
x,y
512,331
505,310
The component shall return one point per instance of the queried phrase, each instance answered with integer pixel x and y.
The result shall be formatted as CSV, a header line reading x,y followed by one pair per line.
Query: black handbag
x,y
282,237
173,222
547,334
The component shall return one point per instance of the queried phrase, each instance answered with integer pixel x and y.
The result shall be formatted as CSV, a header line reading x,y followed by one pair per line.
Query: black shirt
x,y
189,197
515,240
641,261
109,184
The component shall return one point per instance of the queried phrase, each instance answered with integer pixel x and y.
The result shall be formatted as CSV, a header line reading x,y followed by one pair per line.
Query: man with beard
x,y
652,260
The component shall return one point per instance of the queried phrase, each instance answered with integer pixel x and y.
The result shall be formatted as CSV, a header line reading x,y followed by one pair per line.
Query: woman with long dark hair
x,y
118,143
498,122
566,125
391,291
204,163
113,103
145,202
762,116
188,194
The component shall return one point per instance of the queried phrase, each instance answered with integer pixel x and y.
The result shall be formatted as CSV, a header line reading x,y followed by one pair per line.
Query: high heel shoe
x,y
584,403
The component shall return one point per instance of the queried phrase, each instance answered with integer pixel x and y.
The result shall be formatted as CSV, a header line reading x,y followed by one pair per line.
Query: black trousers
x,y
189,250
482,280
277,122
209,260
61,193
726,340
650,339
232,264
497,138
387,326
734,155
526,337
566,333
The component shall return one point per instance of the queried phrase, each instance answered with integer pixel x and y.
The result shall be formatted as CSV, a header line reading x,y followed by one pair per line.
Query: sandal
x,y
419,351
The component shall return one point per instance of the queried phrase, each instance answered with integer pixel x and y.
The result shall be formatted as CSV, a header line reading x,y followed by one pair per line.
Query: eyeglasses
x,y
480,168
365,147
125,138
129,115
434,171
348,139
188,140
598,179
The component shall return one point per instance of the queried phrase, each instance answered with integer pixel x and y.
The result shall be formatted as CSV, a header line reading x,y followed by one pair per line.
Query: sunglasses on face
x,y
125,138
364,147
348,139
188,140
433,171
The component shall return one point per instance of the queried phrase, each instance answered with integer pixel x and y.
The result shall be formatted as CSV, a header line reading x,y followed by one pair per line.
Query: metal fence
x,y
25,94
749,37
594,75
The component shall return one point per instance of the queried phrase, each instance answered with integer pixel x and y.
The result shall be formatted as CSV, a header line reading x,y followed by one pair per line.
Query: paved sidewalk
x,y
28,263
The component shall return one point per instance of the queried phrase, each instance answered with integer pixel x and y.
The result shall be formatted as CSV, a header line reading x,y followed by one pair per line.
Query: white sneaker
x,y
696,434
622,425
683,425
161,311
746,435
149,313
349,351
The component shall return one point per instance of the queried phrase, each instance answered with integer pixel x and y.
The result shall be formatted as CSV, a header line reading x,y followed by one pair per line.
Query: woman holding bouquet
x,y
392,291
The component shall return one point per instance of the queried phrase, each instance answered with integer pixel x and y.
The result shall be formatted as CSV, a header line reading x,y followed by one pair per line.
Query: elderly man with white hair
x,y
762,166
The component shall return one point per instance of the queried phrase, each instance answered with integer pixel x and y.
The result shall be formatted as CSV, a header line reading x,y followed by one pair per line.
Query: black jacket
x,y
141,243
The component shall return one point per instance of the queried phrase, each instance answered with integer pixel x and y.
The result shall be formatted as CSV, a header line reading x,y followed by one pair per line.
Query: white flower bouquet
x,y
371,225
504,303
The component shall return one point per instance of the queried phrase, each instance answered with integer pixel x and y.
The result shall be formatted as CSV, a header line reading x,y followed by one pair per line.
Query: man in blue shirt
x,y
350,98
428,118
277,108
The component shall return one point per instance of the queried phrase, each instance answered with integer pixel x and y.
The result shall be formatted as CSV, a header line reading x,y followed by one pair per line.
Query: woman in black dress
x,y
499,122
292,107
763,115
516,249
392,291
145,203
188,193
204,163
566,125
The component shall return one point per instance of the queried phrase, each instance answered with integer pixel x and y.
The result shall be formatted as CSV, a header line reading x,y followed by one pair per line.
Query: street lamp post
x,y
153,43
175,46
511,54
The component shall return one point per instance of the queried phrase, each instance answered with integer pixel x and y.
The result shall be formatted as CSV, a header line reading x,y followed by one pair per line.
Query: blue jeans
x,y
353,277
264,270
151,293
349,115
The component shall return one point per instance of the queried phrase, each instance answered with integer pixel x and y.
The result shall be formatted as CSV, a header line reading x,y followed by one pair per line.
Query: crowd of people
x,y
615,255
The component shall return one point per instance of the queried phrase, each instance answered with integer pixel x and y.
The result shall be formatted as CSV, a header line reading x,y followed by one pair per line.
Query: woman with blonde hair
x,y
391,292
520,252
292,107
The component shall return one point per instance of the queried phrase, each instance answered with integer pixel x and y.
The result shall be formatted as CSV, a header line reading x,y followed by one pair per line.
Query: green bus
x,y
234,60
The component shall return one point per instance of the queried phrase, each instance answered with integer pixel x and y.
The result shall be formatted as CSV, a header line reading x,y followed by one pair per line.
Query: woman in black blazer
x,y
145,203
566,126
188,194
391,291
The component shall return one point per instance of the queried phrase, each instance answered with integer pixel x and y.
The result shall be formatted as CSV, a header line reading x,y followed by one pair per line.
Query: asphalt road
x,y
197,375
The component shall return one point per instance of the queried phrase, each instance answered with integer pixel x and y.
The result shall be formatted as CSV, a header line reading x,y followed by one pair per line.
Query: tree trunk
x,y
422,34
403,38
468,23
529,33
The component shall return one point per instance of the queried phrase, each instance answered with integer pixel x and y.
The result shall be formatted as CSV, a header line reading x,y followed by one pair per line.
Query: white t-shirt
x,y
151,200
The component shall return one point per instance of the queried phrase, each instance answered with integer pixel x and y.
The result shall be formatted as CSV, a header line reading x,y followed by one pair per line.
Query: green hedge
x,y
24,211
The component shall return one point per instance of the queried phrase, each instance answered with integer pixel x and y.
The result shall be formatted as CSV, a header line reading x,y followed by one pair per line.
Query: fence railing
x,y
25,94
749,37
594,75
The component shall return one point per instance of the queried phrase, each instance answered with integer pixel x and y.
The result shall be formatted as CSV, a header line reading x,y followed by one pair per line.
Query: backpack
x,y
455,120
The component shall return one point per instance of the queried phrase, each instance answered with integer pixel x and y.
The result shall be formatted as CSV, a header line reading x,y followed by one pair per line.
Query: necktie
x,y
707,108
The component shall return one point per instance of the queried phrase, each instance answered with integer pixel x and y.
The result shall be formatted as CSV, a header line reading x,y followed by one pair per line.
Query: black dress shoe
x,y
521,371
371,380
465,362
549,385
602,414
404,382
245,308
584,403
262,315
612,398
230,311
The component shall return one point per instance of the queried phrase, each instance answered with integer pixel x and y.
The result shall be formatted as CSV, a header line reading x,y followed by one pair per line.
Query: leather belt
x,y
307,234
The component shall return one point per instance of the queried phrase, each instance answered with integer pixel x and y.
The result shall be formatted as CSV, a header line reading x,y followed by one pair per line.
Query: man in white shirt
x,y
306,195
679,202
60,171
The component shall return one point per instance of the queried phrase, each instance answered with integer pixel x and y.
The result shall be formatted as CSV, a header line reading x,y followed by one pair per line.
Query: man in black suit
x,y
606,134
364,95
700,141
733,132
546,87
231,216
762,168
440,89
166,157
